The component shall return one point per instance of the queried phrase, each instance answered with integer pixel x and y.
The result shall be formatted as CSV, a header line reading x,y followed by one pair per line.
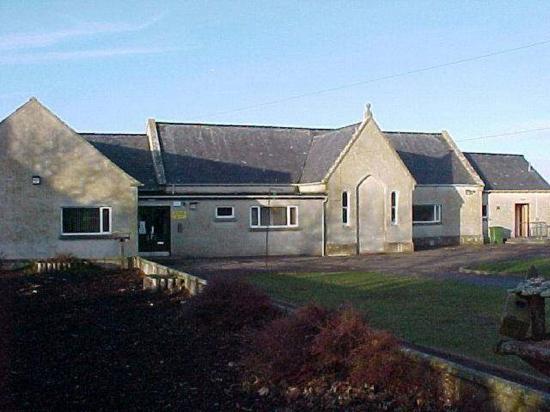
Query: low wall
x,y
496,393
158,277
163,277
51,265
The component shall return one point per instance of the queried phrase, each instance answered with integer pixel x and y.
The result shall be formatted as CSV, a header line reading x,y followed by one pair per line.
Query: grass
x,y
517,266
457,317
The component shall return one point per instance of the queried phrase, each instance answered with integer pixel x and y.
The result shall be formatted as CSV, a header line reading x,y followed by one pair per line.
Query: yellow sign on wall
x,y
179,214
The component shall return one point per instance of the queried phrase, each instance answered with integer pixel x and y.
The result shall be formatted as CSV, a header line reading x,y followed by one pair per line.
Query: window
x,y
393,202
345,208
225,212
427,214
277,216
484,211
86,220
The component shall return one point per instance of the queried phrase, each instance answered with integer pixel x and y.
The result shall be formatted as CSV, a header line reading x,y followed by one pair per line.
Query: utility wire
x,y
504,134
376,79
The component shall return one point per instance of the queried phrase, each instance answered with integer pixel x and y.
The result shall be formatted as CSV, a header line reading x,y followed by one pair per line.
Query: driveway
x,y
441,263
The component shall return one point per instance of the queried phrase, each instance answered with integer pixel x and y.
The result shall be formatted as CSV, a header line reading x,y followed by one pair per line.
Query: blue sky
x,y
108,66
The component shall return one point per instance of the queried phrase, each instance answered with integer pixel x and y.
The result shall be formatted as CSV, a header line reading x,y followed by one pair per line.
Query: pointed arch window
x,y
345,208
394,199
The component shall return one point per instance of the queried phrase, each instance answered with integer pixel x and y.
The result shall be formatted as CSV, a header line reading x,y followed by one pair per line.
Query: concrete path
x,y
441,263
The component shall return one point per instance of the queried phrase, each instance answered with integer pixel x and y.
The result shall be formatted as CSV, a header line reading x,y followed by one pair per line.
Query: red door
x,y
522,220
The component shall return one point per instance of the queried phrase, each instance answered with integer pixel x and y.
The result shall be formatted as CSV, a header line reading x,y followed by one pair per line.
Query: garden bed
x,y
94,340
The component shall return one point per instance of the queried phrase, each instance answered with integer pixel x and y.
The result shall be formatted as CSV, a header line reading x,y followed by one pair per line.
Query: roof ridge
x,y
330,131
113,133
246,125
410,132
495,154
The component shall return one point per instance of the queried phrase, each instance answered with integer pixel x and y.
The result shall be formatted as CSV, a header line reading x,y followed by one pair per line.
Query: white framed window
x,y
394,203
273,216
86,220
225,212
345,208
427,214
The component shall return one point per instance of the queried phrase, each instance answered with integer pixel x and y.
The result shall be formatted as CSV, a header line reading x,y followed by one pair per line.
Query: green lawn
x,y
517,266
457,317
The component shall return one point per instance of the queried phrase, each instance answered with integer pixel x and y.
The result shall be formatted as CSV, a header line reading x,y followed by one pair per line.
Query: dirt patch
x,y
6,336
96,341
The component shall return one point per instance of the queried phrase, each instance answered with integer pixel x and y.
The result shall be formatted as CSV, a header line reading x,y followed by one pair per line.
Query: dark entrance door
x,y
154,228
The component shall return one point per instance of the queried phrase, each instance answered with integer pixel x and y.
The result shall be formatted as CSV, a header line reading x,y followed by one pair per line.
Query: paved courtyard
x,y
437,263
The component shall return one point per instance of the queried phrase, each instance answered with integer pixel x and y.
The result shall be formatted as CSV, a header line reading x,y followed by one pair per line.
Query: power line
x,y
377,79
504,134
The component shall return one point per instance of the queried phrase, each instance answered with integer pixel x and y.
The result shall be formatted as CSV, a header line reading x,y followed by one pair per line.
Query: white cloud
x,y
29,58
24,48
18,41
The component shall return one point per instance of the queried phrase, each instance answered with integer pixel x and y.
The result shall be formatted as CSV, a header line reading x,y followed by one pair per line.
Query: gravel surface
x,y
443,263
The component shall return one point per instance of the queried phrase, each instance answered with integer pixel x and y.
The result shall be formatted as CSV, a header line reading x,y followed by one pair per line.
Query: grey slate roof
x,y
232,154
324,151
506,172
228,154
429,158
129,151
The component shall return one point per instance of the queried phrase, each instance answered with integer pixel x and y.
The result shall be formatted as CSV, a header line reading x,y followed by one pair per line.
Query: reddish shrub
x,y
325,350
333,348
379,362
230,304
281,352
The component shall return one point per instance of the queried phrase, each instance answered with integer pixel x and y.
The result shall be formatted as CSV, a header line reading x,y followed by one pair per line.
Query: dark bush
x,y
333,349
230,304
2,260
281,352
64,258
379,362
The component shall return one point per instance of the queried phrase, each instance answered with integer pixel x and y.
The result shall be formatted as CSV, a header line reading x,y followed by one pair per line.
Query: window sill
x,y
88,237
225,219
274,229
427,223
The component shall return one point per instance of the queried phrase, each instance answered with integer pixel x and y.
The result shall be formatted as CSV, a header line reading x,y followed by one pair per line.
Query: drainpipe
x,y
272,193
357,231
323,227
